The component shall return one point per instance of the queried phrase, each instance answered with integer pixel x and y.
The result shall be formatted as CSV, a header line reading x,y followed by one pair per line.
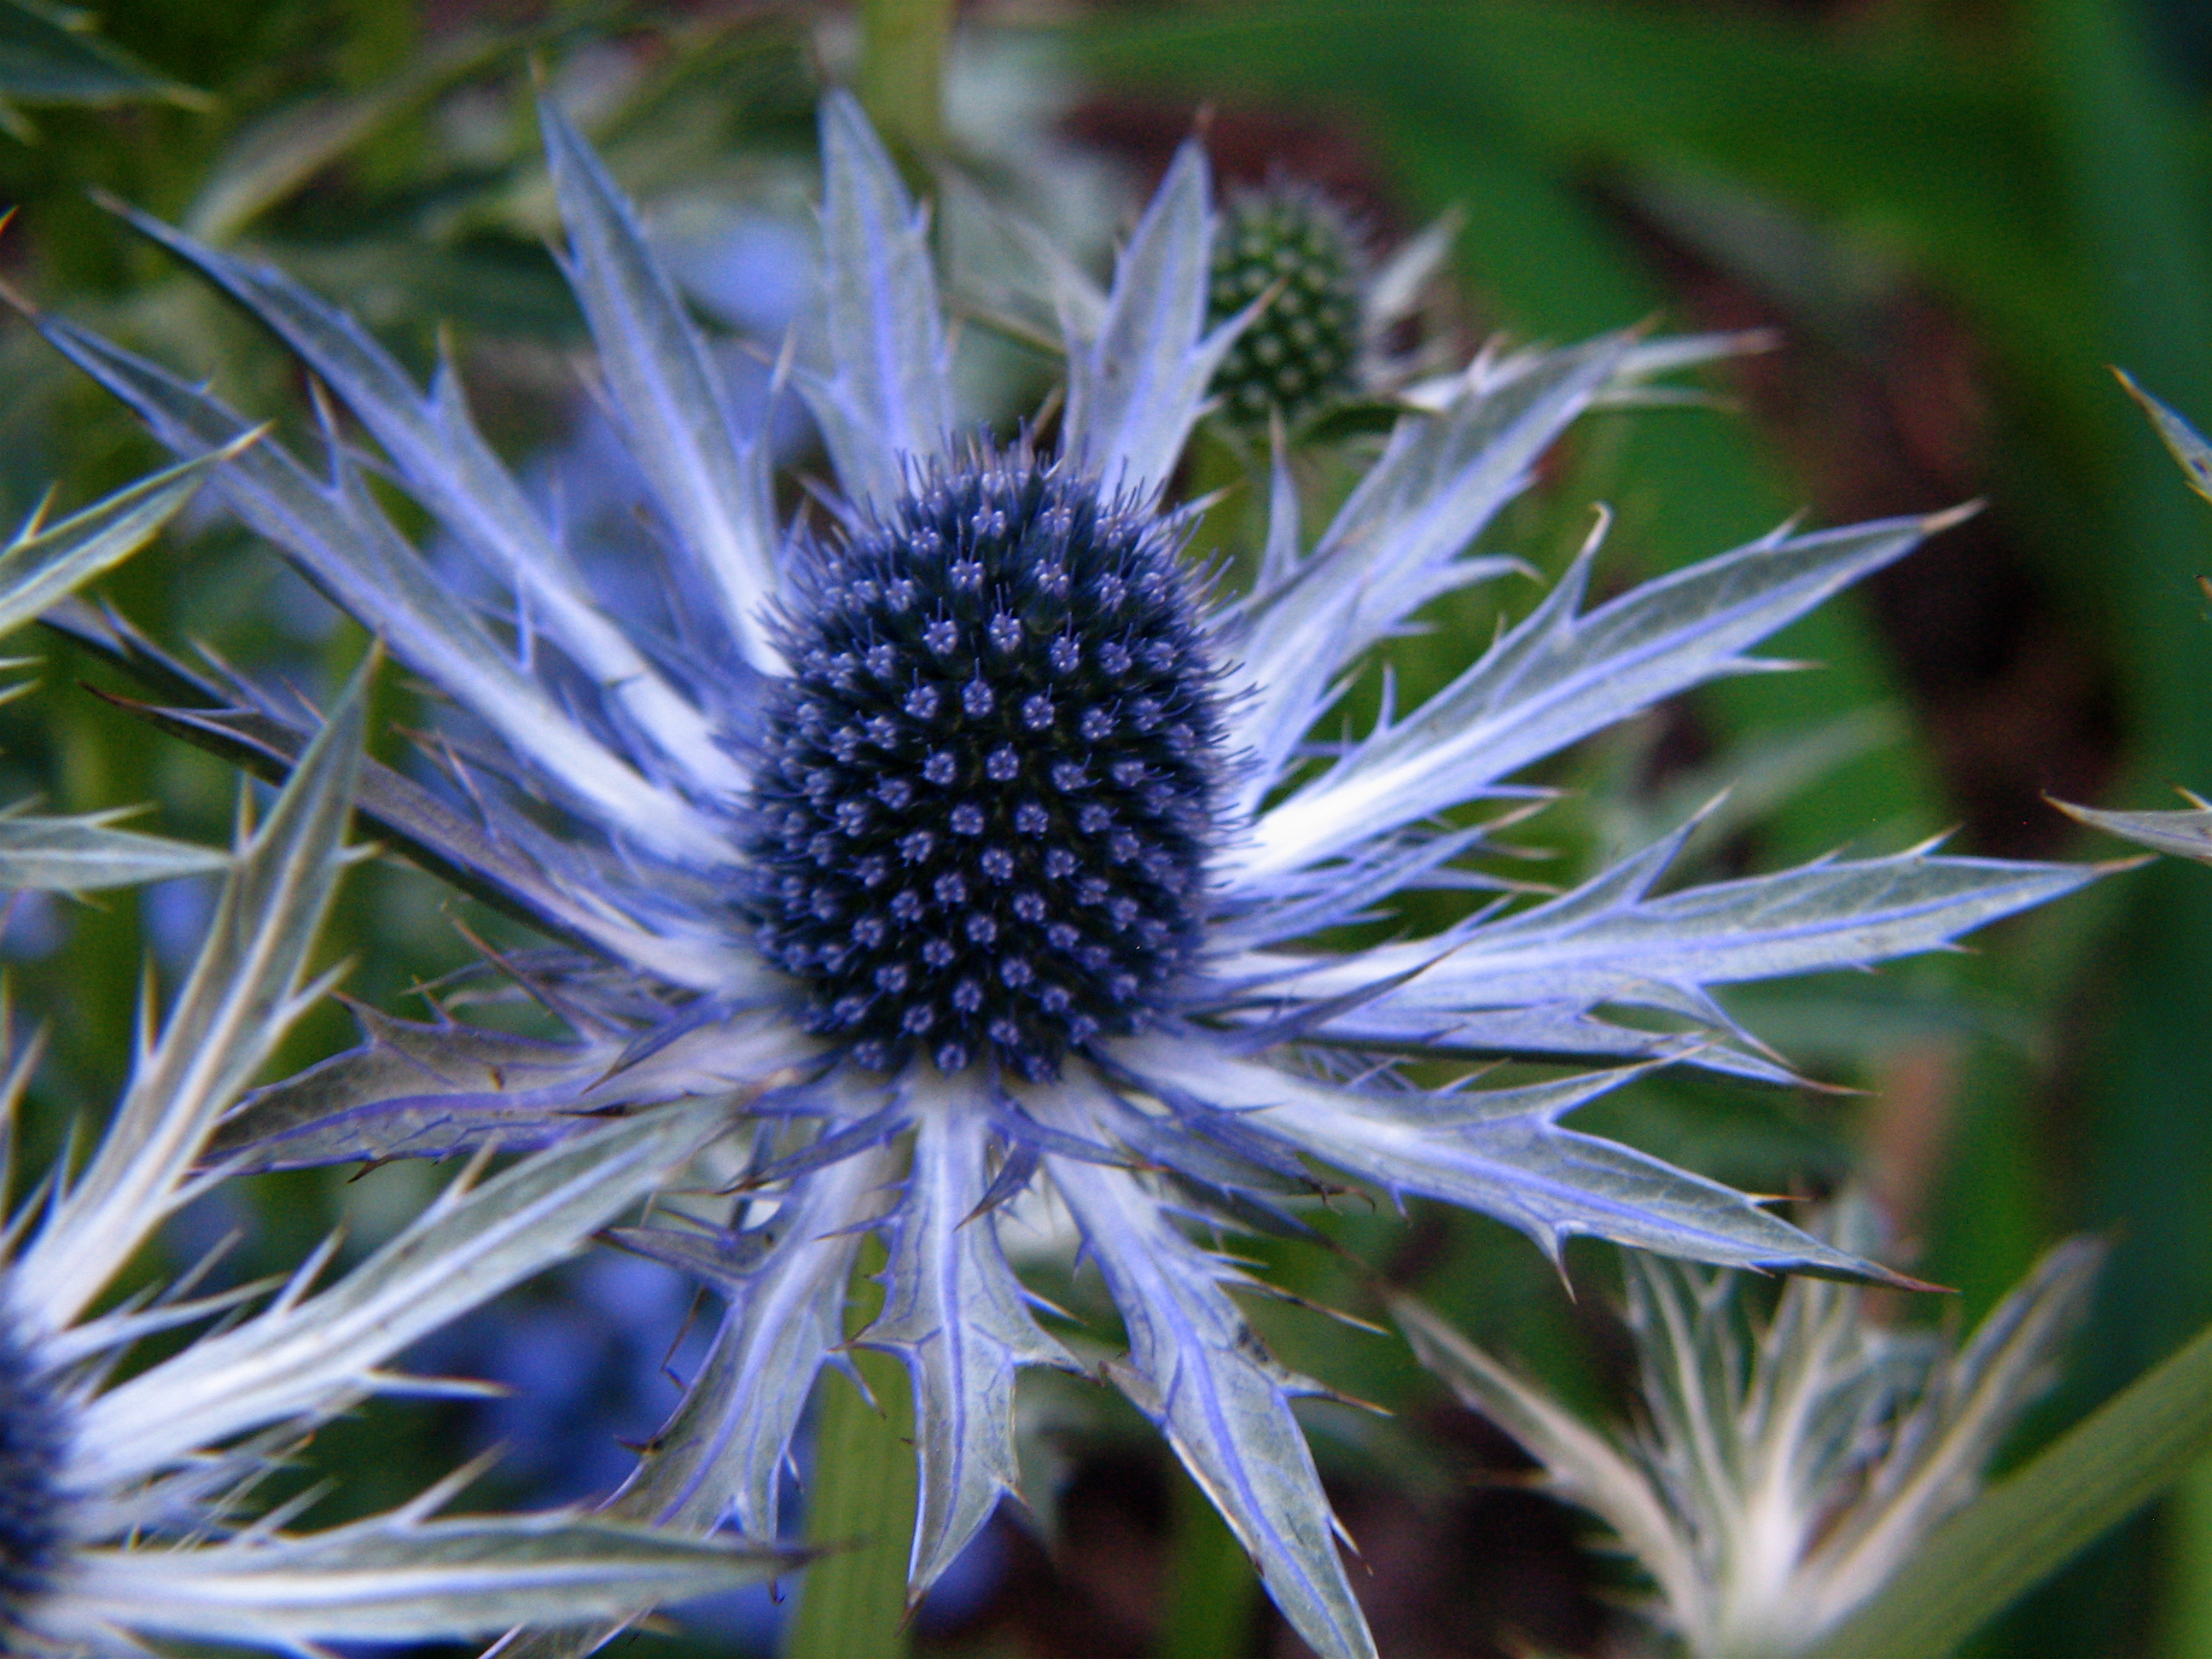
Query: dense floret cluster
x,y
990,786
33,1444
1302,352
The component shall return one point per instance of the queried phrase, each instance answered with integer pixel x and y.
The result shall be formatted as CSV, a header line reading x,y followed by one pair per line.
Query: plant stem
x,y
2186,1626
2032,1522
902,70
1211,1586
859,1506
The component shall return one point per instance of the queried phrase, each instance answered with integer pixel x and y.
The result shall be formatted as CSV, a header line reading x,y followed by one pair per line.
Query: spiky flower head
x,y
34,1453
1287,244
124,1518
990,786
896,787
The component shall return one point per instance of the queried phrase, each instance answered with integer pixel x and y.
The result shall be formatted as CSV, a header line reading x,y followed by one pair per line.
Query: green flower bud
x,y
1301,353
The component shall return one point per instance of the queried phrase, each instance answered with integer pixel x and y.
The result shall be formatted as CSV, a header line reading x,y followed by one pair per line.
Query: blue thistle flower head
x,y
34,1432
988,790
975,845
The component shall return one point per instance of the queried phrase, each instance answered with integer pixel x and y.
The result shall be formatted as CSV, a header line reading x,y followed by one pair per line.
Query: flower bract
x,y
986,844
126,1518
1785,1469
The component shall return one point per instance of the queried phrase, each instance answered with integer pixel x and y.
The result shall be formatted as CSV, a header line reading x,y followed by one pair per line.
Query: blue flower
x,y
125,1500
966,842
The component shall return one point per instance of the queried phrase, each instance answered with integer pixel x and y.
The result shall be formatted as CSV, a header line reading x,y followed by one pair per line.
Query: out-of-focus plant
x,y
41,566
2184,833
53,54
1785,1467
1327,309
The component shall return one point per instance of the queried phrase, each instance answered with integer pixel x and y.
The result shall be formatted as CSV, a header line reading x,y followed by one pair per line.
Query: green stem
x,y
2027,1525
859,1506
902,70
2187,1628
1212,1591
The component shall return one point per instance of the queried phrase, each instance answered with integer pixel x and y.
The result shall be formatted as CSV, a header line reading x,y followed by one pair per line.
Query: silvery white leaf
x,y
1394,292
956,1315
724,1451
2186,835
80,854
244,992
569,903
1784,1469
1972,1401
1558,677
1581,1465
1135,387
444,461
1195,1368
1552,1031
674,413
342,541
412,1091
722,1455
1610,940
45,563
1499,1151
387,1580
719,1258
1396,542
302,1354
877,369
431,1090
2182,441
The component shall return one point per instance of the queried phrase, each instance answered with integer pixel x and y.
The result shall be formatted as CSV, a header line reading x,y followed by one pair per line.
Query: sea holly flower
x,y
985,840
124,1513
1784,1467
1312,313
1313,309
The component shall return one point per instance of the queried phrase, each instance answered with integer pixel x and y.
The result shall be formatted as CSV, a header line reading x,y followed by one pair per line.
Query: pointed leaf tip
x,y
2182,442
1949,517
2183,834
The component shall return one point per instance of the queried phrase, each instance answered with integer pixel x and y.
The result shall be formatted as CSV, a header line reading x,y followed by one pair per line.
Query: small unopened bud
x,y
1301,354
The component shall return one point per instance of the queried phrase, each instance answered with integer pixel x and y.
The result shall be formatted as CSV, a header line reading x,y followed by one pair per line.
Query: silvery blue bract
x,y
125,1512
42,565
978,841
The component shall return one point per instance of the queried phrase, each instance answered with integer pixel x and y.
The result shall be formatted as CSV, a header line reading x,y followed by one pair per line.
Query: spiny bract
x,y
748,795
1784,1469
